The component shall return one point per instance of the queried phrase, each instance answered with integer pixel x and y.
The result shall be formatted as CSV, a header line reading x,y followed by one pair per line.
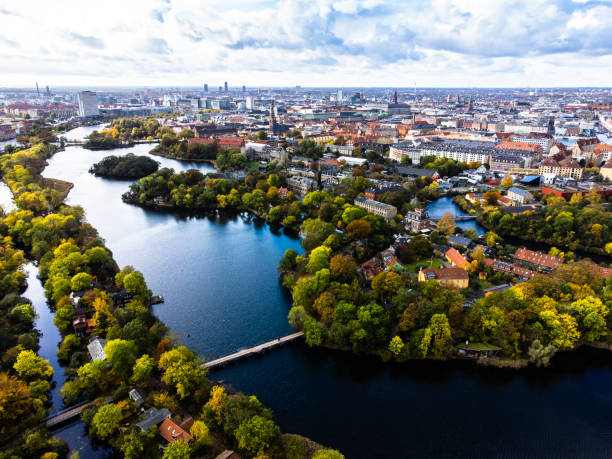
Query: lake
x,y
218,275
445,204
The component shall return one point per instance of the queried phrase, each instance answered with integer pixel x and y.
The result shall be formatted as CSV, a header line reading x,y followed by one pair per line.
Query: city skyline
x,y
437,44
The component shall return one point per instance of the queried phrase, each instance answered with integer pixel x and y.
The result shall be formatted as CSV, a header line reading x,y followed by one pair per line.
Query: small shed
x,y
138,396
477,350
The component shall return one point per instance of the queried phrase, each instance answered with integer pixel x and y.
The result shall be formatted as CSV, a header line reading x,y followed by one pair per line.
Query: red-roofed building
x,y
223,142
456,259
538,260
509,268
173,432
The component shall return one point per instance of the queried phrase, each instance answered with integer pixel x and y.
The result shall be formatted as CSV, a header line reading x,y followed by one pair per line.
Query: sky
x,y
351,43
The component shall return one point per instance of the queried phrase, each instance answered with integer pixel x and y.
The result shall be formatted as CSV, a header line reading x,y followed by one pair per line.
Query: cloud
x,y
90,42
155,46
325,42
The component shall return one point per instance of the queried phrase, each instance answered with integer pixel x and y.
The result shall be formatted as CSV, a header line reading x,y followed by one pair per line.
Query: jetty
x,y
244,353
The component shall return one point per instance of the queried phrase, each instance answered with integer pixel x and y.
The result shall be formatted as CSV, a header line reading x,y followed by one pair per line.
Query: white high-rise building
x,y
88,103
249,103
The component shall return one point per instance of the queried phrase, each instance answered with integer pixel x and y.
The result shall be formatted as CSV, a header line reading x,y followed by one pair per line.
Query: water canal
x,y
222,294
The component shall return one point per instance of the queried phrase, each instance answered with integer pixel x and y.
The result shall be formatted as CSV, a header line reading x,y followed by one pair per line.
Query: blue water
x,y
445,204
218,276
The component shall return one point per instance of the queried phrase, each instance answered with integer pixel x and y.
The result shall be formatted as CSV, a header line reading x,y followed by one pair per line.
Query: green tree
x,y
440,335
386,283
106,420
562,329
70,344
81,281
396,346
199,432
177,450
592,314
135,444
30,366
122,355
143,368
318,259
256,434
135,284
182,370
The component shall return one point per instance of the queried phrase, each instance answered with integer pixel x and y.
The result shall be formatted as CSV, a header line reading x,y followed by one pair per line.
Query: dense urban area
x,y
438,224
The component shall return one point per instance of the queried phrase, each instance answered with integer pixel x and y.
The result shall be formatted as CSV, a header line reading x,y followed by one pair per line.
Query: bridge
x,y
68,414
458,218
252,351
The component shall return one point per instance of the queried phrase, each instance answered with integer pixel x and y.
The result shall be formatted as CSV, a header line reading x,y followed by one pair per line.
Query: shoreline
x,y
184,160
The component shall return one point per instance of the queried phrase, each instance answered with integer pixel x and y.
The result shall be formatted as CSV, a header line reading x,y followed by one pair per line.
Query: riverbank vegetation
x,y
124,167
582,223
389,312
24,375
85,286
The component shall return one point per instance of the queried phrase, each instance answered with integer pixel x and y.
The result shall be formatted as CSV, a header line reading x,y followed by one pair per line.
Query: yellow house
x,y
448,277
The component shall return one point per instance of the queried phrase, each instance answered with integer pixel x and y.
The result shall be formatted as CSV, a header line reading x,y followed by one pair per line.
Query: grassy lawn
x,y
252,165
414,267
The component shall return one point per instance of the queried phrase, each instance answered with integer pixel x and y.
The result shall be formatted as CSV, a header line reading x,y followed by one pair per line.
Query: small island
x,y
125,167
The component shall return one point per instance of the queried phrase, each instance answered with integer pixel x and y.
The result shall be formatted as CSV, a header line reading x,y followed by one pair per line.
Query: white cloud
x,y
307,42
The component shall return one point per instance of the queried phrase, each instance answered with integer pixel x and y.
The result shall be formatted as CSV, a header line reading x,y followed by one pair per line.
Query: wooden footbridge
x,y
68,414
252,351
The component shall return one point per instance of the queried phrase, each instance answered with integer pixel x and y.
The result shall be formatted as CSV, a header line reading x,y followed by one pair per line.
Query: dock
x,y
252,350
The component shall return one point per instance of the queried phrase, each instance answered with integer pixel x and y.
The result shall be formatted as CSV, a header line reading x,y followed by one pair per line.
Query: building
x,y
456,259
172,432
96,348
519,196
386,211
509,268
88,104
448,277
584,148
606,170
152,417
405,171
376,193
537,260
563,168
507,162
7,132
301,186
416,220
461,241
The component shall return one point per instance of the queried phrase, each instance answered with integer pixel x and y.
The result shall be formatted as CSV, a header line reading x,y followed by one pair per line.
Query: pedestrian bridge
x,y
252,351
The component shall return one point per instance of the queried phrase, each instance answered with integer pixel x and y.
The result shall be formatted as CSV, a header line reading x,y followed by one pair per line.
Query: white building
x,y
88,103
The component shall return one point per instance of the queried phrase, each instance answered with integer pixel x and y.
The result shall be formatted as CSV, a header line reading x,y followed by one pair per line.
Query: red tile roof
x,y
172,431
537,258
455,257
